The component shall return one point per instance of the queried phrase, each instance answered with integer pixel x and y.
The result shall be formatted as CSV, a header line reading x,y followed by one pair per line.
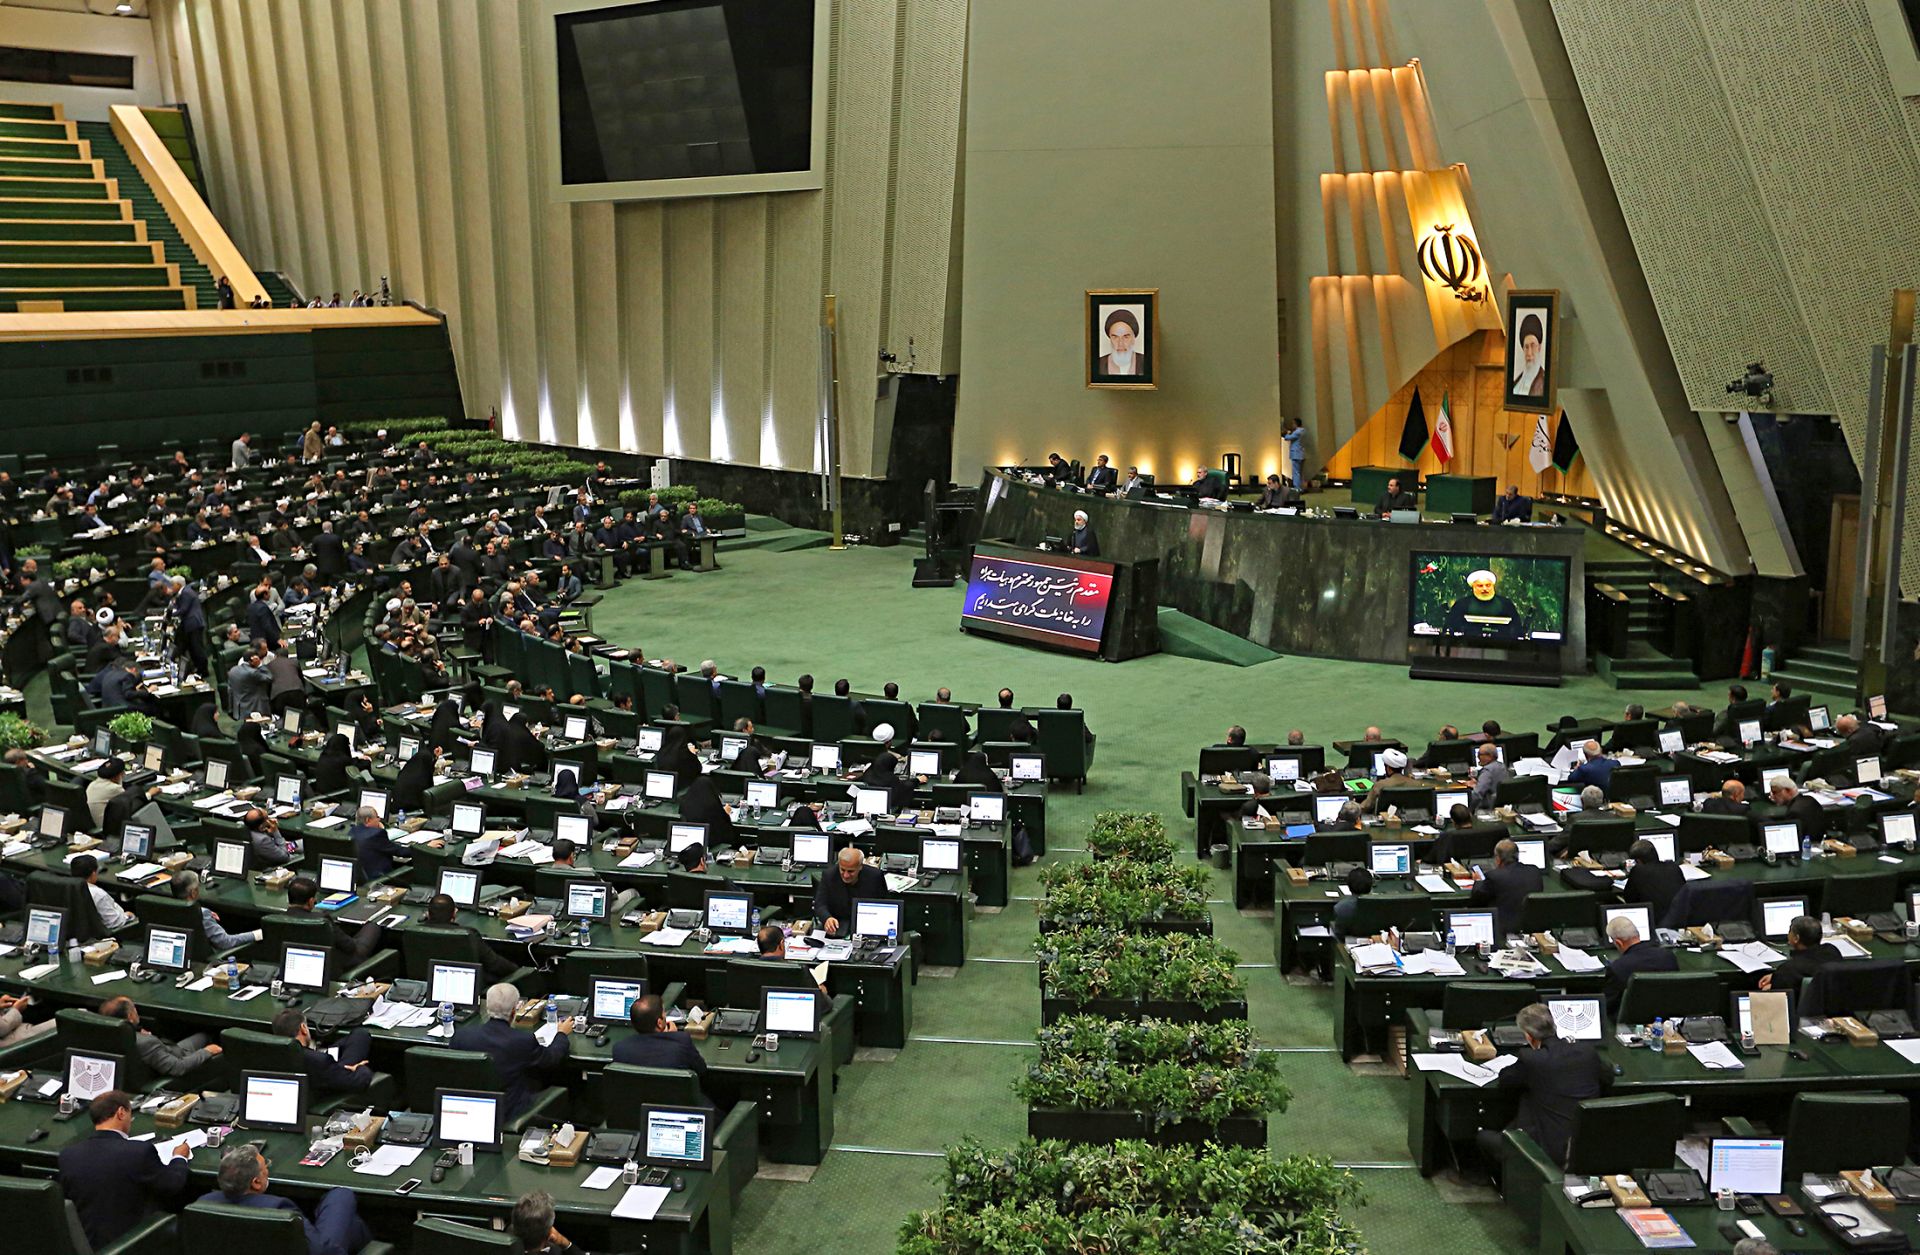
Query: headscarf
x,y
701,805
566,785
974,770
415,778
330,770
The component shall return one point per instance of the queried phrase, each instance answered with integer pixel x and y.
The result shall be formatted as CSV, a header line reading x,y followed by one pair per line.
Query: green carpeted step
x,y
51,189
73,253
54,207
1188,637
28,112
16,276
61,148
54,229
770,535
1809,682
83,299
147,207
31,168
16,129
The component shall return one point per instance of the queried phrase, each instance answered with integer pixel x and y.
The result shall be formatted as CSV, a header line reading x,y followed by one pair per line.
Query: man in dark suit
x,y
329,553
1102,478
374,852
1393,499
1276,495
335,1228
1809,814
1597,770
1808,955
1652,880
836,891
1779,712
1634,954
1505,887
1513,507
285,685
441,913
517,1054
349,1073
1554,1077
262,624
657,1041
1731,800
190,623
114,1183
1861,738
1081,539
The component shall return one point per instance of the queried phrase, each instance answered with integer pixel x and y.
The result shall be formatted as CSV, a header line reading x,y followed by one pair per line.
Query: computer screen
x,y
230,858
871,801
676,1137
1326,807
154,758
648,740
660,786
1471,928
1027,766
1819,718
1443,803
1379,763
1390,860
986,808
1672,740
1778,914
1781,838
347,729
1877,706
1746,1165
469,819
1675,791
1867,770
763,794
812,848
1641,916
286,790
90,1074
876,917
216,773
587,899
336,875
458,983
793,1011
461,885
377,799
1532,852
407,748
103,742
730,747
269,1101
613,999
465,1116
1749,731
481,764
1491,597
824,757
1898,828
1743,1014
304,967
575,728
1576,1019
729,912
53,821
136,840
682,835
923,762
290,720
46,926
1661,842
575,828
167,947
939,854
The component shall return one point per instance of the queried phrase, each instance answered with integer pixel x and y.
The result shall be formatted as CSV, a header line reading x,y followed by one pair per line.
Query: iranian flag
x,y
1442,442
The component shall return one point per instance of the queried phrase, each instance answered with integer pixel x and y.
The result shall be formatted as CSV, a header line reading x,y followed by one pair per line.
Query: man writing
x,y
115,1183
1554,1077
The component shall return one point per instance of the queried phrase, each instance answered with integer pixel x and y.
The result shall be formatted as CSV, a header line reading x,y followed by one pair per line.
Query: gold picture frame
x,y
1139,307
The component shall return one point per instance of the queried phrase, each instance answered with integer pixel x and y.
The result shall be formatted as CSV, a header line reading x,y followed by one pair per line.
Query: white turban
x,y
883,733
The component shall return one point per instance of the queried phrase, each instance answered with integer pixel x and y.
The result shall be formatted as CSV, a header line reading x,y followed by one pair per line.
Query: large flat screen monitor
x,y
1049,599
1481,597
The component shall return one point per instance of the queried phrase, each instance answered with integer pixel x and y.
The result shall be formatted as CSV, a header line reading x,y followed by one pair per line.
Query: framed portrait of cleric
x,y
1533,350
1123,337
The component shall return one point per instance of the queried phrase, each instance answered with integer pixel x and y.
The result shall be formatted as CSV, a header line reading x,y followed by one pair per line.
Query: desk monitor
x,y
660,786
730,747
575,728
1027,766
648,740
216,773
53,821
290,720
575,828
273,1101
461,885
230,858
1533,851
305,967
1577,1018
1746,1165
458,983
763,795
986,808
812,849
1675,791
1897,828
1781,836
286,791
469,819
347,728
1877,706
1326,807
154,758
1777,915
136,840
103,742
166,948
587,899
1749,731
923,762
790,1012
407,747
611,999
1819,718
1642,917
462,1115
681,834
1283,767
46,926
942,854
377,799
336,875
1379,768
871,802
1471,928
1866,770
1672,740
730,913
1662,842
825,756
481,764
877,917
1390,860
1443,803
581,776
677,1137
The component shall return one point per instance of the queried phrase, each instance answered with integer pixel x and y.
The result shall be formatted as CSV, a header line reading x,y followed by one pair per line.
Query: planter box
x,y
726,522
1074,1124
1052,1009
1202,927
1248,1131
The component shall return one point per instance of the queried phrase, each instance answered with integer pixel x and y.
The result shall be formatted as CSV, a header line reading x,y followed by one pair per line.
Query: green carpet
x,y
854,614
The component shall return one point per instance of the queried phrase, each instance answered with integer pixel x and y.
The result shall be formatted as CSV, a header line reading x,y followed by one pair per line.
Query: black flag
x,y
1565,447
1413,437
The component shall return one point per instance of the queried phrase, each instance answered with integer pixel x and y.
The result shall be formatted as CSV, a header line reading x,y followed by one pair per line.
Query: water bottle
x,y
1450,942
446,1019
553,1010
1826,923
756,920
1656,1036
892,936
233,975
586,933
1806,847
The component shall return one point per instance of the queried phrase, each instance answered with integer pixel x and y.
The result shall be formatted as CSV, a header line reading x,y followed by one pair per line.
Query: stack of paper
x,y
1457,1065
1576,960
1715,1056
666,937
387,1160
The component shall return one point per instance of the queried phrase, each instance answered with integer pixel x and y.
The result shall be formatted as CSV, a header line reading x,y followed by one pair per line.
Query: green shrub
x,y
1080,965
80,564
18,734
1203,1072
1121,892
1139,835
133,728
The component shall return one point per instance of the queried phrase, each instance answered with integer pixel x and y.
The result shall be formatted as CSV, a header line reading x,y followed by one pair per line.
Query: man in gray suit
x,y
162,1057
1487,780
250,685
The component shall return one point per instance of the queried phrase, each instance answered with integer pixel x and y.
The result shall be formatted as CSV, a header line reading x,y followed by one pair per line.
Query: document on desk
x,y
1715,1056
212,800
193,1139
1457,1065
38,970
1909,1048
1544,823
1752,956
667,938
1671,821
1434,884
640,1202
1432,963
107,978
420,837
640,858
900,884
387,1160
1847,946
249,993
1576,960
600,1178
1689,872
733,945
14,849
1314,930
331,821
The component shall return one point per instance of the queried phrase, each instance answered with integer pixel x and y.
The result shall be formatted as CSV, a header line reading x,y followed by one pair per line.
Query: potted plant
x,y
131,729
17,733
1138,835
1122,893
1175,976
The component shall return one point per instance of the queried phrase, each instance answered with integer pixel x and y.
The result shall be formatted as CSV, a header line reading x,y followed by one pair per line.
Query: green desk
x,y
1600,1231
1370,483
1460,494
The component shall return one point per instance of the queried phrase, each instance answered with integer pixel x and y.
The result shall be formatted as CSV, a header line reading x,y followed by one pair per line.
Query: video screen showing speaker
x,y
1481,597
1050,599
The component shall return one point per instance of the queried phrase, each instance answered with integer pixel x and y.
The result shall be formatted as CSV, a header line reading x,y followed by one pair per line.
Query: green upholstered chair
x,y
252,1050
436,1067
443,1235
41,1219
1664,995
625,1088
1830,1132
256,1230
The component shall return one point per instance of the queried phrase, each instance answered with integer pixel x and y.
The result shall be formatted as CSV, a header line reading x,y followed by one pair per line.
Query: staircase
x,y
1640,665
1822,670
146,207
279,291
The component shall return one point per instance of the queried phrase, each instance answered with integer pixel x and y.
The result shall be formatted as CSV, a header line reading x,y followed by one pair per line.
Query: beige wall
x,y
347,139
80,32
1123,145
